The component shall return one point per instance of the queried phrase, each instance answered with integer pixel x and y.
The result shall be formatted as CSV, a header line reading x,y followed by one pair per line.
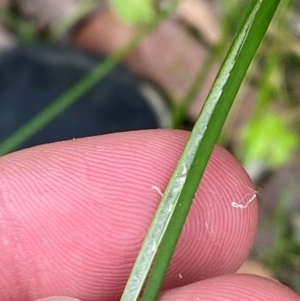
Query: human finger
x,y
232,287
229,287
74,215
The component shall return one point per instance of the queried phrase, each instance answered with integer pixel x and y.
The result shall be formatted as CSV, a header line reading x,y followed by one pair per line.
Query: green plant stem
x,y
168,221
78,90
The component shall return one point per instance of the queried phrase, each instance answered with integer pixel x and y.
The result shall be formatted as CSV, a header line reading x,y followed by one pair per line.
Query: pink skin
x,y
235,287
74,214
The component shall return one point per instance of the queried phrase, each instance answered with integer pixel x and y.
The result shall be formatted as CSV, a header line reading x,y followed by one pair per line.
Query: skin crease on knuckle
x,y
74,215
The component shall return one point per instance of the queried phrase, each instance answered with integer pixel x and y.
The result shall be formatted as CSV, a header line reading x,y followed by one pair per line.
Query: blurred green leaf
x,y
269,140
24,29
134,11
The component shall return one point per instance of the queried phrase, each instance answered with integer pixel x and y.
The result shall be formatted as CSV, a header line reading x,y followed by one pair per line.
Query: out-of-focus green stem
x,y
74,93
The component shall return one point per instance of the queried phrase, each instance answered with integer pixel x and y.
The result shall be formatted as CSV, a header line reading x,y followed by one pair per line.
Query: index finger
x,y
74,215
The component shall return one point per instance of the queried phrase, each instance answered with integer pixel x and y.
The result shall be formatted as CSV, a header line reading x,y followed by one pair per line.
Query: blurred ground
x,y
171,57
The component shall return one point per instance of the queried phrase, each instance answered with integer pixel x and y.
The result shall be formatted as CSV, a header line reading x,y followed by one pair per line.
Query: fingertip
x,y
220,229
83,207
233,287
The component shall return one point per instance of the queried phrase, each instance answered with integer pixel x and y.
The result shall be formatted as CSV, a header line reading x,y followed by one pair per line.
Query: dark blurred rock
x,y
32,76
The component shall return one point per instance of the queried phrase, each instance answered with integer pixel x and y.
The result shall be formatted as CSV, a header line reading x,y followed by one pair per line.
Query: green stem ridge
x,y
163,234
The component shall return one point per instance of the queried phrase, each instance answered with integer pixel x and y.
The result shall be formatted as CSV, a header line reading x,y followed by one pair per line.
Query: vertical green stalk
x,y
160,242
